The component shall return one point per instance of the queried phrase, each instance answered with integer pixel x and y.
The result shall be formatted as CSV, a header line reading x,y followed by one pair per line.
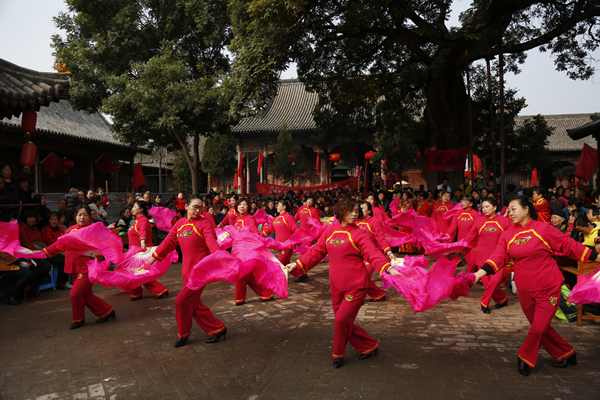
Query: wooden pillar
x,y
37,185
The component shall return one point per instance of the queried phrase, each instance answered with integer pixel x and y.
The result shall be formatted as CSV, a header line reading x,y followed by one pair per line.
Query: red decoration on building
x,y
55,165
105,165
335,157
369,155
28,152
28,121
138,176
418,156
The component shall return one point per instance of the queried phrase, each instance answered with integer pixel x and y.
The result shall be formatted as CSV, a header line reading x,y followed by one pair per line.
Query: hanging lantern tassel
x,y
28,152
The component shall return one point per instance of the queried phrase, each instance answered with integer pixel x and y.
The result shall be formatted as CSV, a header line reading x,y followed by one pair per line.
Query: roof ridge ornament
x,y
62,69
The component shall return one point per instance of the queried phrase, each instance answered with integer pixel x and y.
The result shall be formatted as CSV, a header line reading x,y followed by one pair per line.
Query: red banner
x,y
138,176
267,190
588,160
445,160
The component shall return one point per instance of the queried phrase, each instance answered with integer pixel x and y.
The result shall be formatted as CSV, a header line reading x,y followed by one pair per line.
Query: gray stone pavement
x,y
282,350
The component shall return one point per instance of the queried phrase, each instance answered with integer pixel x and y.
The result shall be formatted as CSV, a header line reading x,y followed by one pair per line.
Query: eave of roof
x,y
22,88
591,128
560,141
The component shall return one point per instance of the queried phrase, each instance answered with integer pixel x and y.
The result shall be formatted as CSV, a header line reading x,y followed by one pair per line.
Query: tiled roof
x,y
22,88
560,140
61,123
590,128
292,105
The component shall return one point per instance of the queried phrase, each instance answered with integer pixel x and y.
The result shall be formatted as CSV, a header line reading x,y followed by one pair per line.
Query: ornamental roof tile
x,y
560,140
22,88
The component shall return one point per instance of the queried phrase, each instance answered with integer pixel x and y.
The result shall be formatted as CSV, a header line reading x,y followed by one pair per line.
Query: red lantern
x,y
418,156
335,157
28,152
369,155
28,121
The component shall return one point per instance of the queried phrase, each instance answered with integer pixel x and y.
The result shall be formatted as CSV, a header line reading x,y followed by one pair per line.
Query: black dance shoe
x,y
338,362
165,294
377,301
109,316
566,361
240,303
302,278
181,342
366,356
486,310
135,298
524,368
265,300
215,338
502,305
76,325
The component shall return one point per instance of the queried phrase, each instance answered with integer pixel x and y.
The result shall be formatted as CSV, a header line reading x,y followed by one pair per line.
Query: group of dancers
x,y
356,246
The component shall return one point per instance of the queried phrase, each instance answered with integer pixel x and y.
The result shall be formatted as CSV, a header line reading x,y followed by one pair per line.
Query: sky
x,y
28,26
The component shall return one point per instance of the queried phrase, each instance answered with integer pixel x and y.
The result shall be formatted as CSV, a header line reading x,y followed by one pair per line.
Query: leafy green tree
x,y
289,162
357,54
219,156
183,176
155,66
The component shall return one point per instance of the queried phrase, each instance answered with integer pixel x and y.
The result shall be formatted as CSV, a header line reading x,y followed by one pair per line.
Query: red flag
x,y
260,162
138,176
534,177
588,160
235,181
318,167
477,166
105,166
55,165
445,160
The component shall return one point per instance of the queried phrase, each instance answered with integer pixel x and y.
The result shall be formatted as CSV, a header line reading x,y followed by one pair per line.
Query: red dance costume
x,y
81,295
242,221
423,208
542,208
374,226
405,205
141,230
348,248
538,280
230,218
483,238
438,216
380,214
284,226
304,213
460,228
197,239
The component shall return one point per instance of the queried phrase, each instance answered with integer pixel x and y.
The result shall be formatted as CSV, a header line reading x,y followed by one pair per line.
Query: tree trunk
x,y
192,163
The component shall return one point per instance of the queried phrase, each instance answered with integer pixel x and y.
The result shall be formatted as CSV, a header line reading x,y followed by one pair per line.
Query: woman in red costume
x,y
232,214
439,210
483,237
378,211
284,226
348,247
81,295
196,237
244,220
374,226
406,203
140,235
461,225
306,212
542,207
531,244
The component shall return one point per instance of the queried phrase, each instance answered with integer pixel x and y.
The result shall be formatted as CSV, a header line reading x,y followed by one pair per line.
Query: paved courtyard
x,y
282,350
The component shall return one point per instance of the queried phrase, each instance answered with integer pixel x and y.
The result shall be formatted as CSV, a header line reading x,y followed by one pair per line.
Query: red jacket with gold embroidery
x,y
348,248
438,216
462,222
74,263
542,208
140,229
230,217
375,227
304,213
196,238
283,226
246,220
484,236
532,247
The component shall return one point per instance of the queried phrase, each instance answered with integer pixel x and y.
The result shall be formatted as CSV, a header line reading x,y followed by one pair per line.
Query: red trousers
x,y
155,287
374,291
539,308
82,296
492,289
285,256
250,280
345,307
188,305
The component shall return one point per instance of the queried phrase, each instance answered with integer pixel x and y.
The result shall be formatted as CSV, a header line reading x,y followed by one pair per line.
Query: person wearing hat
x,y
558,219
